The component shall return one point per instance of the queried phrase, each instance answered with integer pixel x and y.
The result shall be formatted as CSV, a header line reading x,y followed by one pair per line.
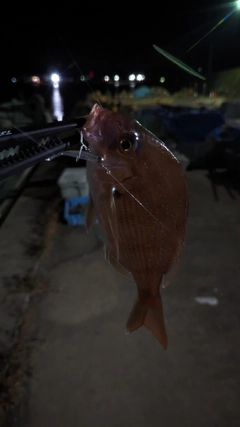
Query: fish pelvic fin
x,y
149,312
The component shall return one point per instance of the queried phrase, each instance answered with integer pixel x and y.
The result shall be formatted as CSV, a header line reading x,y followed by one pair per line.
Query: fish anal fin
x,y
116,264
150,314
171,273
90,216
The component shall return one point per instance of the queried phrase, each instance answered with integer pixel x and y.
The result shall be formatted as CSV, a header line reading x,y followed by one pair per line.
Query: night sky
x,y
113,38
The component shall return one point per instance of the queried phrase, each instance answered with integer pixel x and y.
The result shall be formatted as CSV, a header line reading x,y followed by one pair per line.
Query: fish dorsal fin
x,y
171,273
116,264
90,216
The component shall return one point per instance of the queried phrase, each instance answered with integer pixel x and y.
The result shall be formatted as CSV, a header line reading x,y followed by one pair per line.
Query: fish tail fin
x,y
148,312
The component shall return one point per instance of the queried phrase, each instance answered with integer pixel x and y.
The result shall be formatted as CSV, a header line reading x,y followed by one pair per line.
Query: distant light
x,y
199,69
35,79
82,78
13,80
106,78
162,79
116,78
55,78
132,77
140,77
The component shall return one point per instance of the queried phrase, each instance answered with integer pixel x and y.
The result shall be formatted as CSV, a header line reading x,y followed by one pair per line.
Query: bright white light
x,y
140,77
238,4
116,78
162,79
106,78
55,78
132,77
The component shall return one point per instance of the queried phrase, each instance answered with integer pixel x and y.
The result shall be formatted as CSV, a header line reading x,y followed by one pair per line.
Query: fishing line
x,y
76,64
22,132
212,29
110,173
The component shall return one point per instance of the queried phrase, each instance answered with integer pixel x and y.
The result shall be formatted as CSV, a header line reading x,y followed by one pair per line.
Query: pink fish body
x,y
139,196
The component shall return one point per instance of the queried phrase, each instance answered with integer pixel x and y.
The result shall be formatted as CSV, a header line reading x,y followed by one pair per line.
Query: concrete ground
x,y
81,368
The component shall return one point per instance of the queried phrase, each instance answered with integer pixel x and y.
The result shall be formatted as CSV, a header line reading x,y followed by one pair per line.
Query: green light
x,y
162,79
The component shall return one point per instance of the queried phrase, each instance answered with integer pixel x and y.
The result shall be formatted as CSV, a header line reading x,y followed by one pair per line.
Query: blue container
x,y
74,218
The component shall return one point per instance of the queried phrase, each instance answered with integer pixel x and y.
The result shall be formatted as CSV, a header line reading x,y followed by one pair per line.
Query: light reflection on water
x,y
57,104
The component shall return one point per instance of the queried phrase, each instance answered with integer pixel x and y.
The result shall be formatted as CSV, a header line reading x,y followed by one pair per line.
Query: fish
x,y
139,196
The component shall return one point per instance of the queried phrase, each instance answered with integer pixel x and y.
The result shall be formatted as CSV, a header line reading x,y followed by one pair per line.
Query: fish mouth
x,y
93,117
92,126
100,129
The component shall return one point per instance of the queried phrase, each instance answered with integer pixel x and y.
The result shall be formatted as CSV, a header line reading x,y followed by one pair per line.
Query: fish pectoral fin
x,y
112,220
90,216
116,264
150,314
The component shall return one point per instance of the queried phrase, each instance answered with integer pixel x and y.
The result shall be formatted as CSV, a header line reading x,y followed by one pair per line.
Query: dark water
x,y
71,94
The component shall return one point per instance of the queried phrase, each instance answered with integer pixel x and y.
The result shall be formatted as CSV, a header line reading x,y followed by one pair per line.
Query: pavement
x,y
66,359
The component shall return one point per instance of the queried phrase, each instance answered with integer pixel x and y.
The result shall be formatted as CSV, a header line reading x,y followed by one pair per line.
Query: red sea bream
x,y
139,195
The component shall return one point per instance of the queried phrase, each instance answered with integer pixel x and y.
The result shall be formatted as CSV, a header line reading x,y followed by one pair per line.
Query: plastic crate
x,y
70,204
73,183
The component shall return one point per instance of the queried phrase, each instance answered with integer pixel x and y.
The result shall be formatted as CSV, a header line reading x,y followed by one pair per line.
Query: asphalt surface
x,y
83,370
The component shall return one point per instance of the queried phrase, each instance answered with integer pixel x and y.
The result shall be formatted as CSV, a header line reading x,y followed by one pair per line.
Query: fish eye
x,y
126,144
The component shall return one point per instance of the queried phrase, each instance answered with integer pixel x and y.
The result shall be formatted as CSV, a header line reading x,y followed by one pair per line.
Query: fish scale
x,y
147,239
133,236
